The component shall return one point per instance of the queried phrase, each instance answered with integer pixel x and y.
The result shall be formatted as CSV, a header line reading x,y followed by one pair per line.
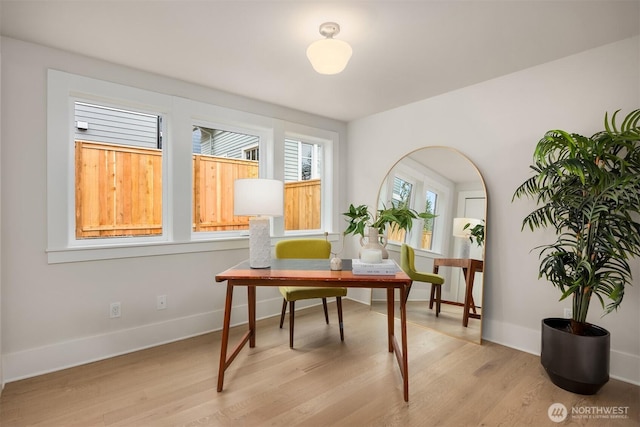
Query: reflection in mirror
x,y
442,181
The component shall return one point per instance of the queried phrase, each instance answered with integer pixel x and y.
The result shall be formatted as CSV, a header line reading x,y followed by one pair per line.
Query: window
x,y
303,185
431,205
220,157
409,186
401,196
139,167
118,172
252,153
401,192
436,198
310,159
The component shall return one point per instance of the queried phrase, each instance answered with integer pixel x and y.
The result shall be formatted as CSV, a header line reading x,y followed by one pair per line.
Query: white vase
x,y
374,241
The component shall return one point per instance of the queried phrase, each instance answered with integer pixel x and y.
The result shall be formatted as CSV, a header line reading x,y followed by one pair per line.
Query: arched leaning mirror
x,y
442,181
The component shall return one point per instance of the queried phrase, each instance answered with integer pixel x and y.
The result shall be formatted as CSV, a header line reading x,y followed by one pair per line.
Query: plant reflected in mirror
x,y
476,233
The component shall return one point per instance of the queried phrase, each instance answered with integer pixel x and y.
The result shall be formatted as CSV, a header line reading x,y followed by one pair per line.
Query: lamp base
x,y
464,249
259,243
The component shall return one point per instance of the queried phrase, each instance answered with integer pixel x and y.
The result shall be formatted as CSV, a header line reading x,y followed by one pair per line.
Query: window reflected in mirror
x,y
431,204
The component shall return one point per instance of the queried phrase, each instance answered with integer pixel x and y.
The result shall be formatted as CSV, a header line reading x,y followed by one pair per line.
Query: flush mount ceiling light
x,y
329,56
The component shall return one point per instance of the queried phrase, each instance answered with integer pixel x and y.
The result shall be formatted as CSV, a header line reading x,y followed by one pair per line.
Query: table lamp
x,y
459,230
260,199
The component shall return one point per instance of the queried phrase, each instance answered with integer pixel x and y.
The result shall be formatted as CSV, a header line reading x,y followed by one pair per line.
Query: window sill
x,y
58,256
96,253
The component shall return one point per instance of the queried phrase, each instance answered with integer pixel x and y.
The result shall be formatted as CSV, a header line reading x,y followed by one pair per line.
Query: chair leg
x,y
438,299
292,309
433,290
284,309
339,305
326,313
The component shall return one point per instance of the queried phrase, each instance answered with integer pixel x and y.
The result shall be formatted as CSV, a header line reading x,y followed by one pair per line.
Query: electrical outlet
x,y
115,310
568,313
161,302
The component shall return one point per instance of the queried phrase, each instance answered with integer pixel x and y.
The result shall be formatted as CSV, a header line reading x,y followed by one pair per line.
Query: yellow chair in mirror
x,y
307,249
407,263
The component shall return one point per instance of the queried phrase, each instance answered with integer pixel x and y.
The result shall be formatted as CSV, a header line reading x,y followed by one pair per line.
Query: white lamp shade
x,y
329,56
258,197
459,223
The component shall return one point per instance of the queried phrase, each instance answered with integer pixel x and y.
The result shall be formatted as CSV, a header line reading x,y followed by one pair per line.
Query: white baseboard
x,y
67,354
623,366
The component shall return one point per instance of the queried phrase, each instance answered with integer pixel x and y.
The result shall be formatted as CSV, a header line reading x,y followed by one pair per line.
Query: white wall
x,y
56,315
497,124
1,373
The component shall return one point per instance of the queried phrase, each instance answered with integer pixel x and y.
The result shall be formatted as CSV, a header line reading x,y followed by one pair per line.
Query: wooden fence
x,y
302,201
213,196
213,179
118,190
119,193
397,235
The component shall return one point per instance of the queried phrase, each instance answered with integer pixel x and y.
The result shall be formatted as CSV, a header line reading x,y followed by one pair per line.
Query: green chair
x,y
407,262
307,249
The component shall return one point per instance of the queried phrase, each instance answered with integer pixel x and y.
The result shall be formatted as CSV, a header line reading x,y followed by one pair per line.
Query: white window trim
x,y
73,241
179,114
63,91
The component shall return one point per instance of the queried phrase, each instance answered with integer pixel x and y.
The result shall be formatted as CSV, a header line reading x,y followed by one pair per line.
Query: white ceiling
x,y
403,51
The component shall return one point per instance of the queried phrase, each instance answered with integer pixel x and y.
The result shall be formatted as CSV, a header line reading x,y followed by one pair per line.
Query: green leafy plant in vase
x,y
361,220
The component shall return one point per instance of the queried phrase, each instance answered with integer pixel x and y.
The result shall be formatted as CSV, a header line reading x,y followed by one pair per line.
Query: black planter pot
x,y
577,363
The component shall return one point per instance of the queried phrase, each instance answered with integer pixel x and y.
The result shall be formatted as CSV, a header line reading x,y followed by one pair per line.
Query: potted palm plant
x,y
588,191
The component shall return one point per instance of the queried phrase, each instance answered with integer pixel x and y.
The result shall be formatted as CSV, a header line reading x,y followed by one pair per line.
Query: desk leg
x,y
251,302
403,327
249,336
468,276
225,336
401,352
390,318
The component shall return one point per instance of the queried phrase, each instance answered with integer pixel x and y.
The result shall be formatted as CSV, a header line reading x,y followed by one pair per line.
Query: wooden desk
x,y
469,268
297,272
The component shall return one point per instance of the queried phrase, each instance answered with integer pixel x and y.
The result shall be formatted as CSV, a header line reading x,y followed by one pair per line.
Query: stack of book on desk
x,y
385,268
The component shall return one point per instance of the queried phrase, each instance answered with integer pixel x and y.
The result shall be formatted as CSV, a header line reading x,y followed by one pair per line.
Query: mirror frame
x,y
461,332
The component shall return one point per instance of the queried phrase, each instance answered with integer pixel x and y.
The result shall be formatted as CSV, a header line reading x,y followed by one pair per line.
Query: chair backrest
x,y
407,262
303,248
407,259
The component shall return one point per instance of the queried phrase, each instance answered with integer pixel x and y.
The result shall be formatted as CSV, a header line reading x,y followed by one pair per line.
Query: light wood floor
x,y
322,382
449,322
